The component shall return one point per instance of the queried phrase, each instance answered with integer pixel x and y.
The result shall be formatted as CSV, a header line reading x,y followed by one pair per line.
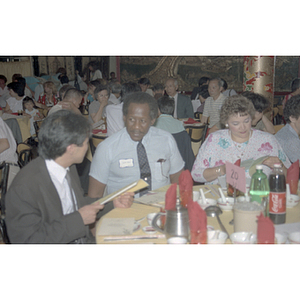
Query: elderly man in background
x,y
115,92
71,101
136,151
183,104
213,104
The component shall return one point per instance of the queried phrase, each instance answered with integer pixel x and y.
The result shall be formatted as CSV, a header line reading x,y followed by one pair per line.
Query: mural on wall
x,y
188,70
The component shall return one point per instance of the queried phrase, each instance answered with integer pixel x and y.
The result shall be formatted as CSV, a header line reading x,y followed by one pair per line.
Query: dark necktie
x,y
68,177
144,167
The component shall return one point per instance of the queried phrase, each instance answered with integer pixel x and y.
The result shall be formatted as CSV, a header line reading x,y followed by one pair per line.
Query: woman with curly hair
x,y
237,141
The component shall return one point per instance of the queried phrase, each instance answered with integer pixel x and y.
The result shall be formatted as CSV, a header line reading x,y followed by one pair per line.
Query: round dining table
x,y
140,211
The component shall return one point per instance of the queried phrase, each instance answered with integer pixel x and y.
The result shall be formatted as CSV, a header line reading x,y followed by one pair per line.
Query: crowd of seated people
x,y
140,118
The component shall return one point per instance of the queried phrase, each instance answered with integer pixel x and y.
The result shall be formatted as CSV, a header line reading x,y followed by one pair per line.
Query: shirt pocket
x,y
161,170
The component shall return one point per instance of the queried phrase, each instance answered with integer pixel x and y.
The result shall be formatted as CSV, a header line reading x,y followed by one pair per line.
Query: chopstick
x,y
149,204
133,237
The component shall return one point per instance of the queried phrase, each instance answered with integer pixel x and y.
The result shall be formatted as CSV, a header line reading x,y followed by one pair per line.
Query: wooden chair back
x,y
95,140
197,135
25,154
278,127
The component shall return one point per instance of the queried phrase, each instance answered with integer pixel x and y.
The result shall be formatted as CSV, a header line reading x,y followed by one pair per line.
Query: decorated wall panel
x,y
188,70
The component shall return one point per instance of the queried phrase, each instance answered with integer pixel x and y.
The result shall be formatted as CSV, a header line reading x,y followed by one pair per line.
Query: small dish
x,y
149,230
228,205
294,237
294,200
208,202
243,238
216,237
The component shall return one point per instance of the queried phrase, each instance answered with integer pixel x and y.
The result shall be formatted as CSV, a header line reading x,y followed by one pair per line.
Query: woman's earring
x,y
226,125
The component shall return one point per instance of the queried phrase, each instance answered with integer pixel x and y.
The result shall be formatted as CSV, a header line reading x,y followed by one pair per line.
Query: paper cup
x,y
245,216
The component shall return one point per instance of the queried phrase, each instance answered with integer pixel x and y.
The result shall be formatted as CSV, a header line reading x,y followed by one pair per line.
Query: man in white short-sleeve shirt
x,y
115,162
213,103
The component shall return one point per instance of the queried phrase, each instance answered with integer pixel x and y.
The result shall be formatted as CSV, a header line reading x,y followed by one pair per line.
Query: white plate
x,y
149,229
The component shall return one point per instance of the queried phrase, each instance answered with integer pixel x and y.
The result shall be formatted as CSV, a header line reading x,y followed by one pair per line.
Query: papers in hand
x,y
133,187
250,164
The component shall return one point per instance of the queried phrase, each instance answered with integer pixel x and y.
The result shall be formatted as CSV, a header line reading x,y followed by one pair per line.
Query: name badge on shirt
x,y
126,163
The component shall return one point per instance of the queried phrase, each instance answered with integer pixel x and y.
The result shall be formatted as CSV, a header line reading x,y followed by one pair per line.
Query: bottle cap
x,y
277,165
259,167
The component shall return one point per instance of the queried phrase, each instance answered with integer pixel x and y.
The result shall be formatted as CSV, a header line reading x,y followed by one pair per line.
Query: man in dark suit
x,y
43,203
183,104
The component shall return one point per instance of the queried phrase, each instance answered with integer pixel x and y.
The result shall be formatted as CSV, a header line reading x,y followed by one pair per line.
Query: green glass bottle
x,y
259,188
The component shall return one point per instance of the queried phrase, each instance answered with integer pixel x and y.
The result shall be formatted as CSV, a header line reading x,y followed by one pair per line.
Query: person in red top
x,y
48,98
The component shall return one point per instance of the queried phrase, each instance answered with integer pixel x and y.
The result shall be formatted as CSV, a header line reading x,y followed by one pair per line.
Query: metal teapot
x,y
177,222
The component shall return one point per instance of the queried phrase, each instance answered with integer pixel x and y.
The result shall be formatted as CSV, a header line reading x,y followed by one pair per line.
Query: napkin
x,y
186,187
170,198
198,223
190,121
292,177
95,131
265,230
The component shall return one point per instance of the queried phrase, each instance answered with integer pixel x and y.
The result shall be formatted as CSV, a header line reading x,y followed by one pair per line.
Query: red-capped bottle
x,y
277,196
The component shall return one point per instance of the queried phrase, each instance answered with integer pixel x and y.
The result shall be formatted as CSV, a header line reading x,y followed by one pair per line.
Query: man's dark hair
x,y
128,88
61,129
158,87
292,108
260,103
203,91
166,105
144,80
64,79
224,84
141,98
203,80
17,87
3,78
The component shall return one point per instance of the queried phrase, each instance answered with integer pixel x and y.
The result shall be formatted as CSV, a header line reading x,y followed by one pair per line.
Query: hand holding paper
x,y
133,187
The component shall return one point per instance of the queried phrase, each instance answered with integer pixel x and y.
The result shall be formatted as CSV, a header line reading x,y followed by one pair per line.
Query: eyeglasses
x,y
102,96
161,160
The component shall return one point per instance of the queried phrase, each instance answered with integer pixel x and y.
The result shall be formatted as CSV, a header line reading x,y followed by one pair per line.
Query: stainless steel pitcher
x,y
177,222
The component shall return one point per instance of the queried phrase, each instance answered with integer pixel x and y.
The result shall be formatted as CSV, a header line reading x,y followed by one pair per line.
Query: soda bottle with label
x,y
277,197
259,188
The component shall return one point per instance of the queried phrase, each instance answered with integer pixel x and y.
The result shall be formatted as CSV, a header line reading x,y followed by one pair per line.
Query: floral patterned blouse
x,y
219,148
